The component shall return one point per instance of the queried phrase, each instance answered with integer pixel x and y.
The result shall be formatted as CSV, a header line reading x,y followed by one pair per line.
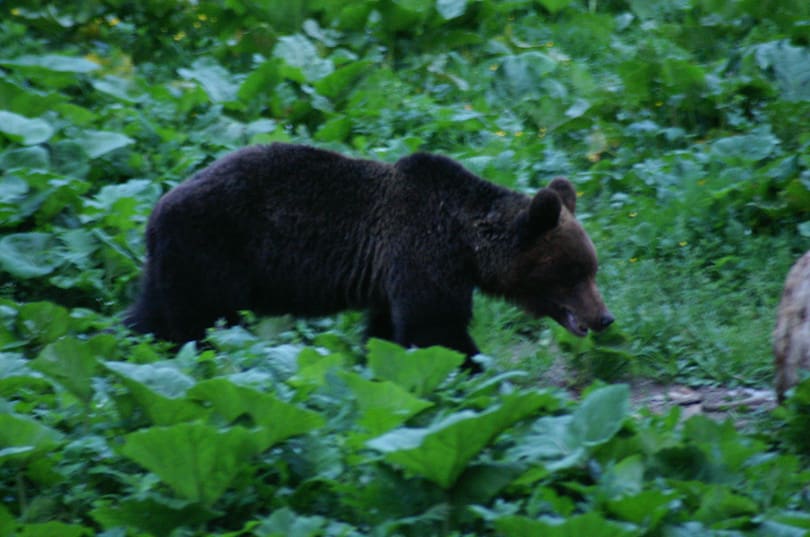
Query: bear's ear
x,y
567,192
543,213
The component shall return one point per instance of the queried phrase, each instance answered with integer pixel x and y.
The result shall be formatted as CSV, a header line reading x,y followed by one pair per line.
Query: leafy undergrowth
x,y
108,437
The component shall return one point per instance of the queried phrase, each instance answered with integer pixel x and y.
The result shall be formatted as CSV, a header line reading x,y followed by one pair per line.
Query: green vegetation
x,y
683,124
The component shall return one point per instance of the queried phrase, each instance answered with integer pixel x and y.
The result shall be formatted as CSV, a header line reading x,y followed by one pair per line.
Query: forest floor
x,y
739,403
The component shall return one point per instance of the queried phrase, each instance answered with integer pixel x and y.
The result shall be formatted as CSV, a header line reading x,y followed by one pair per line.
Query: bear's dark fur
x,y
294,229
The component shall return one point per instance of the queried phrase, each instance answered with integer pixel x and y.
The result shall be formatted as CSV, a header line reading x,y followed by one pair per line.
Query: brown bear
x,y
294,229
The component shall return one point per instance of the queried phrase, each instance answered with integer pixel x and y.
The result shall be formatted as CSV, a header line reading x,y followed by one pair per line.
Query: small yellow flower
x,y
16,11
633,259
179,36
550,44
202,17
500,133
493,67
682,244
633,214
113,21
658,104
93,57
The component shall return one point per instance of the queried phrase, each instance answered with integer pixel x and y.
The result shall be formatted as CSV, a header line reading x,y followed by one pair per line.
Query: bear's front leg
x,y
436,326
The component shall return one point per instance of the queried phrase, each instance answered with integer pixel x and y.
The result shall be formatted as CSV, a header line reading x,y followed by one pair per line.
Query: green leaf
x,y
215,80
335,129
286,523
383,405
123,89
563,441
72,363
197,461
601,414
152,516
53,62
451,9
24,438
590,524
521,76
279,420
554,5
49,529
160,390
339,82
753,147
646,508
419,371
98,143
299,53
441,451
35,157
790,65
719,503
24,130
43,321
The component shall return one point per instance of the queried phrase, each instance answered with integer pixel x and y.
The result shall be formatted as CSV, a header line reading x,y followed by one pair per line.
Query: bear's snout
x,y
605,321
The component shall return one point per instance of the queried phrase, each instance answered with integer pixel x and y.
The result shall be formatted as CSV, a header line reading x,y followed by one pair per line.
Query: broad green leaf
x,y
98,143
646,508
260,81
441,451
521,76
601,414
563,441
53,62
419,371
719,503
24,438
555,5
313,368
197,461
216,81
299,53
120,88
451,9
479,483
339,82
752,147
35,157
160,390
286,523
335,129
383,405
591,524
51,529
279,420
790,65
155,517
24,130
72,363
43,321
554,442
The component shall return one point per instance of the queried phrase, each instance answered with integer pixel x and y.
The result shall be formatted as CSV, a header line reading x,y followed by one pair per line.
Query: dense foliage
x,y
684,127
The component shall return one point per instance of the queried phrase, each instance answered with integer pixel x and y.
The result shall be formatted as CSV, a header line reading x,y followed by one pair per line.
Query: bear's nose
x,y
606,320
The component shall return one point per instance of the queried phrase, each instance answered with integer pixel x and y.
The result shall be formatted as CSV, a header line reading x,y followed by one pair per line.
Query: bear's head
x,y
554,271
